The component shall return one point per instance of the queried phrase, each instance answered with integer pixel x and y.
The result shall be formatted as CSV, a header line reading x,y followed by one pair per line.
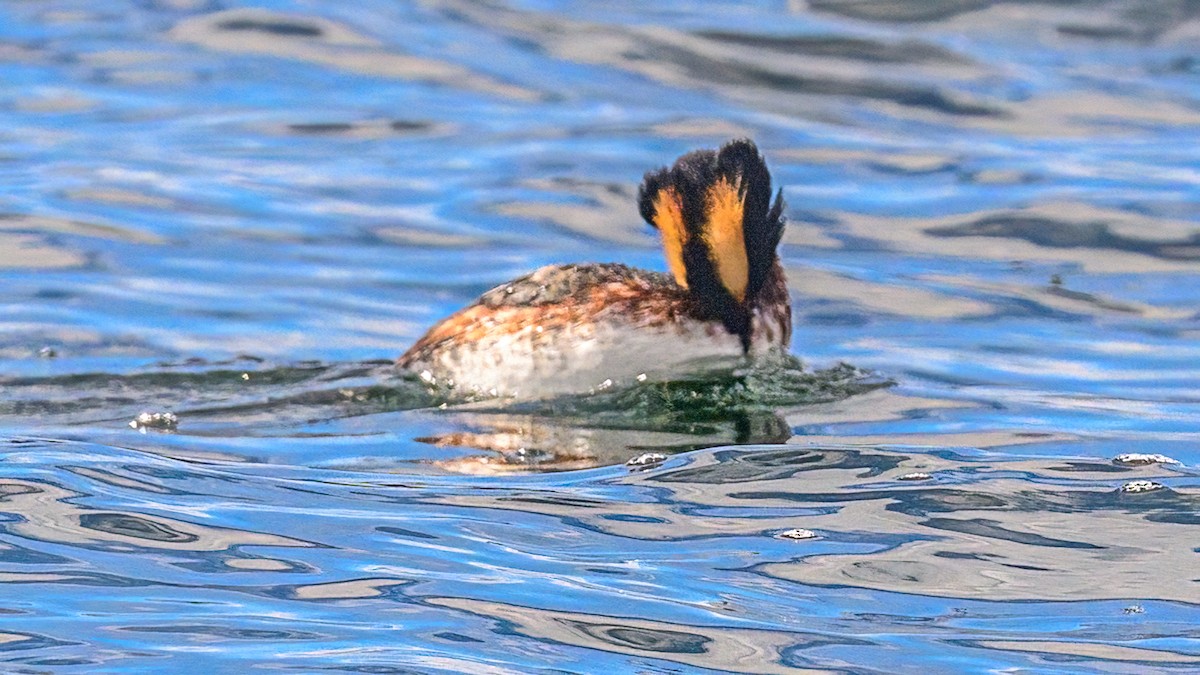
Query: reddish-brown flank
x,y
559,297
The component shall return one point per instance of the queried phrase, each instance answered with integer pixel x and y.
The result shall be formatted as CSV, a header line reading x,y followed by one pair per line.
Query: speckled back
x,y
559,283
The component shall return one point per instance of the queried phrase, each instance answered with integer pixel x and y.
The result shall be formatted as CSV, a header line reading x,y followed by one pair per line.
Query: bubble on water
x,y
1141,459
646,459
163,421
1141,486
797,534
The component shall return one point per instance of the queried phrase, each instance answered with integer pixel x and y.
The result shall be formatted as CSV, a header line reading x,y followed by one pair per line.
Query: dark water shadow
x,y
248,398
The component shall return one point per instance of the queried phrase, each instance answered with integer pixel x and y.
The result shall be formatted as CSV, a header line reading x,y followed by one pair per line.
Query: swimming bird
x,y
576,328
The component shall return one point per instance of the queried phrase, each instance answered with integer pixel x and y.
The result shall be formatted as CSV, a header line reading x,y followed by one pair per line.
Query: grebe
x,y
576,328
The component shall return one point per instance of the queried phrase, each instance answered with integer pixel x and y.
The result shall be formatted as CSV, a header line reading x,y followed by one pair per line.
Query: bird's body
x,y
578,328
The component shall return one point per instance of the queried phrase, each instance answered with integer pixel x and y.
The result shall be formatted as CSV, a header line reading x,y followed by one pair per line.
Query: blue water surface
x,y
241,212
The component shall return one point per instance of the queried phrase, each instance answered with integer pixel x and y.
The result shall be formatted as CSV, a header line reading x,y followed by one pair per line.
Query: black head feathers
x,y
719,227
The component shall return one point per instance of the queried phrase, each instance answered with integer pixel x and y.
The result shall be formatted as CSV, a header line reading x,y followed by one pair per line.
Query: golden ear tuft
x,y
719,230
668,218
724,235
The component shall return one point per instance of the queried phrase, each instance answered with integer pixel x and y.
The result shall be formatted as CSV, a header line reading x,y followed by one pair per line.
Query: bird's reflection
x,y
519,443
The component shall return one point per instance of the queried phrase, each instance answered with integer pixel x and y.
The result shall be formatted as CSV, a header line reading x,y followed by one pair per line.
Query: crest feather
x,y
718,225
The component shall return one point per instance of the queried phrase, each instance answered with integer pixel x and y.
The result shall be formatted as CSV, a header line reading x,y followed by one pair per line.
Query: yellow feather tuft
x,y
724,237
668,218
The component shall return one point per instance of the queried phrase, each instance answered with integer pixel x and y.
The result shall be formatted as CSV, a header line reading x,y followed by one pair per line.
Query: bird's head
x,y
720,229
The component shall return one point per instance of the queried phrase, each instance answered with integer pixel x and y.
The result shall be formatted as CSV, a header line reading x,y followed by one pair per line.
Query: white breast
x,y
530,364
538,363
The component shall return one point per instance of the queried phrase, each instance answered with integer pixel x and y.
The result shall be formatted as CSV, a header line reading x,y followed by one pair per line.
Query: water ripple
x,y
241,215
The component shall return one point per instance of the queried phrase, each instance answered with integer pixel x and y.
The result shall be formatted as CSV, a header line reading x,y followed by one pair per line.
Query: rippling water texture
x,y
240,214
